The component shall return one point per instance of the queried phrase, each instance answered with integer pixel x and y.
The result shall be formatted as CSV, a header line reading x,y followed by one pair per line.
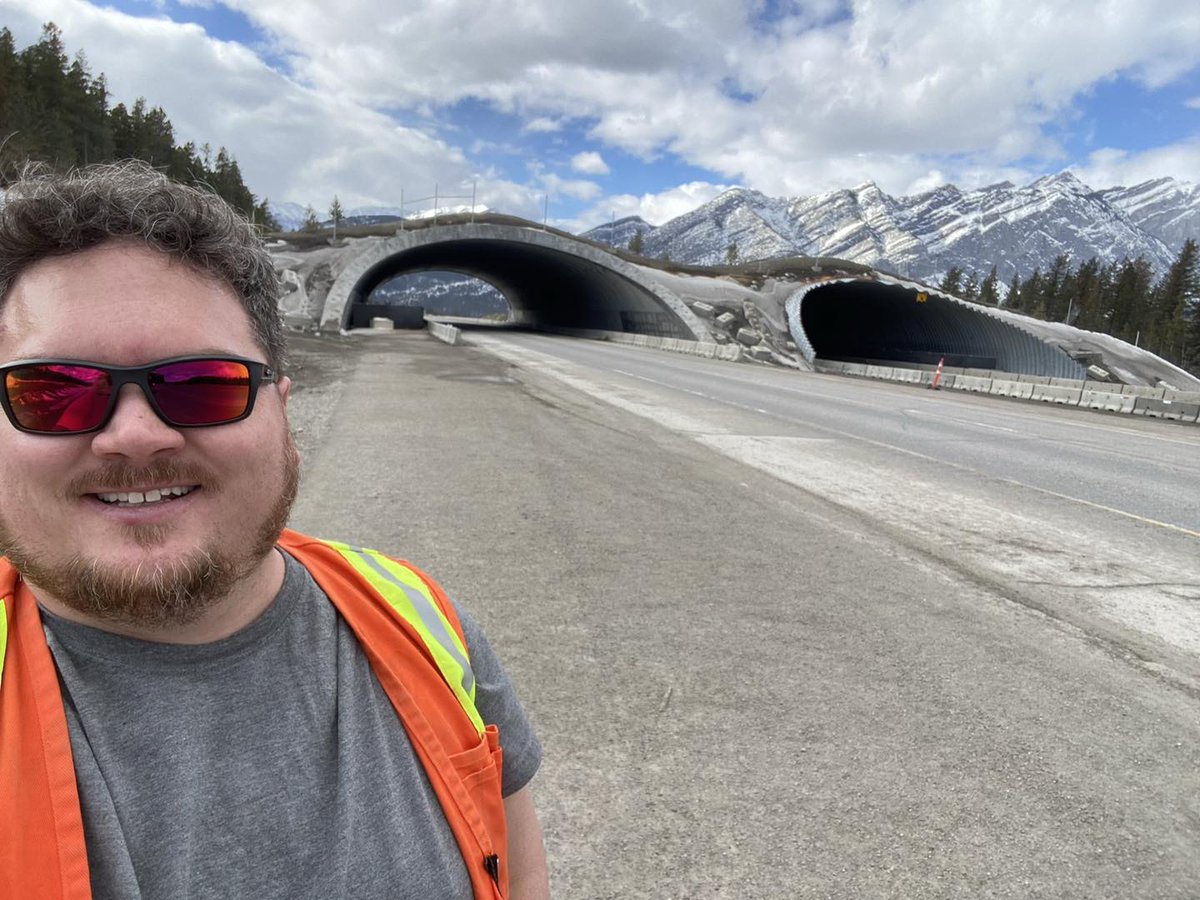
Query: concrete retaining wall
x,y
1159,403
709,350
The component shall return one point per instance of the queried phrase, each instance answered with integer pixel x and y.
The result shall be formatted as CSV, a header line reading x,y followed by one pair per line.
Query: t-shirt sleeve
x,y
497,702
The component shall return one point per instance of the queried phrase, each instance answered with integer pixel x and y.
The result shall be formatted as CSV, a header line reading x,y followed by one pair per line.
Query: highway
x,y
1089,516
1139,467
871,642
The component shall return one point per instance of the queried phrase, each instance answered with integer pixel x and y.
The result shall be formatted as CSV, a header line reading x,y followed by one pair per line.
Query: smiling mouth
x,y
144,498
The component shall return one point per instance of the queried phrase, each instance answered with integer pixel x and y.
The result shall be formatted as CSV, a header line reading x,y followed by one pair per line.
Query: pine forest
x,y
53,110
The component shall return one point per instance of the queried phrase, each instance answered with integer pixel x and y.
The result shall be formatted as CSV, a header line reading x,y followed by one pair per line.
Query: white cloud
x,y
1120,168
822,94
542,125
1192,103
589,163
576,189
655,208
293,143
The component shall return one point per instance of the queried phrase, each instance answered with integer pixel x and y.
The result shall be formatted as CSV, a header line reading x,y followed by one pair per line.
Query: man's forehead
x,y
118,283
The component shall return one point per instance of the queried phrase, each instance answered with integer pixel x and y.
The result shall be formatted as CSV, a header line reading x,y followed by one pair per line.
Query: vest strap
x,y
410,598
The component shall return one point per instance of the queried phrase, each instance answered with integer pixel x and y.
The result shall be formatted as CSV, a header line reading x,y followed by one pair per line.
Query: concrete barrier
x,y
1050,393
727,352
1183,406
1067,383
1022,390
446,333
1166,409
1107,400
1142,390
912,376
973,384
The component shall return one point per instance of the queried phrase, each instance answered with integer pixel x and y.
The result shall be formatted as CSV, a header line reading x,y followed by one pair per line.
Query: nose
x,y
135,431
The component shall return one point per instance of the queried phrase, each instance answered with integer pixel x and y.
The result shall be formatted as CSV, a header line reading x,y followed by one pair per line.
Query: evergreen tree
x,y
731,254
970,287
1030,293
1129,307
1012,299
952,282
1052,298
636,243
1085,295
1173,301
336,214
263,218
11,81
310,220
45,69
187,166
989,294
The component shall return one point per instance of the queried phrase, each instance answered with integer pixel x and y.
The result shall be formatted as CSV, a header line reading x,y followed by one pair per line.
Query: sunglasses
x,y
65,396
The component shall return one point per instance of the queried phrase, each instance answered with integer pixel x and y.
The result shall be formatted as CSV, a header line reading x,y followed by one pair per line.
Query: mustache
x,y
124,477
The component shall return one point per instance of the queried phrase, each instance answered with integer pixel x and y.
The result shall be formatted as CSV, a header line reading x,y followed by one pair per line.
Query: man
x,y
195,702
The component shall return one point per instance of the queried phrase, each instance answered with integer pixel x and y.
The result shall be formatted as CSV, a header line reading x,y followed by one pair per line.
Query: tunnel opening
x,y
873,322
543,287
442,293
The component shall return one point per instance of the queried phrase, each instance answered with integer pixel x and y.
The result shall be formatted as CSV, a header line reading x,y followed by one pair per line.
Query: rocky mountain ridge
x,y
1016,229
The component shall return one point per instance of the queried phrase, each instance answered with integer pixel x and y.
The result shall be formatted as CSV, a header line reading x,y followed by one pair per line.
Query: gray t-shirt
x,y
267,764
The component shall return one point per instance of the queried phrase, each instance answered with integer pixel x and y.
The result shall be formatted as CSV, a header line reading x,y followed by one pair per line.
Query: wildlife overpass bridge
x,y
789,311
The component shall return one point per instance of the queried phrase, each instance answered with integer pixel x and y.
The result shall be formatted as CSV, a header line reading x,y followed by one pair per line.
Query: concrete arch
x,y
883,320
549,280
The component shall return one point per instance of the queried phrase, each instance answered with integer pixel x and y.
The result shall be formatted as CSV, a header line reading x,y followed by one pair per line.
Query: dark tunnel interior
x,y
866,321
544,287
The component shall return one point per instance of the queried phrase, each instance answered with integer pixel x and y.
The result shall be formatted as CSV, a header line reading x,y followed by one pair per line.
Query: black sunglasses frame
x,y
260,374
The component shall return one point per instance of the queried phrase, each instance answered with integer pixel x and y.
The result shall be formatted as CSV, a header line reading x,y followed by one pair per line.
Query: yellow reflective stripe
x,y
3,635
409,596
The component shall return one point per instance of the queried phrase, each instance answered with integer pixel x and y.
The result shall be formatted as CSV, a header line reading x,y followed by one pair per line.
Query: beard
x,y
157,595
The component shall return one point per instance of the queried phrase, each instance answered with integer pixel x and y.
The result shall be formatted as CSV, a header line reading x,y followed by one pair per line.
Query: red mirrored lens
x,y
201,392
58,398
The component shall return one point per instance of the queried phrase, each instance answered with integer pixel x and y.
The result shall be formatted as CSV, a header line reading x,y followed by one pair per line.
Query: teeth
x,y
155,495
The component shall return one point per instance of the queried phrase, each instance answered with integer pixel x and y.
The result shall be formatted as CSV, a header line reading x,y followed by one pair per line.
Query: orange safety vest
x,y
421,666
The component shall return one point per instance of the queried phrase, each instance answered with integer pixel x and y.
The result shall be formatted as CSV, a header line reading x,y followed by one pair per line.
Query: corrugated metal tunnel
x,y
871,321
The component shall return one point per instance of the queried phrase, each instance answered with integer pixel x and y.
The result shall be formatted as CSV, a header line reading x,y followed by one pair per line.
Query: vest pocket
x,y
480,769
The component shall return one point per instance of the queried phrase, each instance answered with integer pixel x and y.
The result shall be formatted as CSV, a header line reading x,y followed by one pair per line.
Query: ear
x,y
284,386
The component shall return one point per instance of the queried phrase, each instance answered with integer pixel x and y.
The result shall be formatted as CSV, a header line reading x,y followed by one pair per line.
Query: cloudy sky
x,y
598,108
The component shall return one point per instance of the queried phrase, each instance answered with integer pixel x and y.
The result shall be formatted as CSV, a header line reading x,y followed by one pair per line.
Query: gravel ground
x,y
318,368
744,690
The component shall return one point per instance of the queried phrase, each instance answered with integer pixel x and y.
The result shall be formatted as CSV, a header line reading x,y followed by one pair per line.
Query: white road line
x,y
941,462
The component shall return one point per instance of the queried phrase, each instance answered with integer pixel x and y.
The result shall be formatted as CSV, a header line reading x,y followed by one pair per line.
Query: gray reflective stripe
x,y
431,618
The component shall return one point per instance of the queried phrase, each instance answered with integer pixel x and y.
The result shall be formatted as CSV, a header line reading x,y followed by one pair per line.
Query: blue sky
x,y
651,107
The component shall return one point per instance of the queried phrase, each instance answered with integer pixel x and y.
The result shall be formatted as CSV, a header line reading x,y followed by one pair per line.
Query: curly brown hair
x,y
45,214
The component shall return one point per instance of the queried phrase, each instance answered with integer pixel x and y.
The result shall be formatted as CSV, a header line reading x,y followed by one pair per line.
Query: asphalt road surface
x,y
770,655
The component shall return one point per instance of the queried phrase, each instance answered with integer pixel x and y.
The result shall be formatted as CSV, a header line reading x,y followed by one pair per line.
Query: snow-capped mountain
x,y
443,293
1168,209
1013,228
290,216
619,233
